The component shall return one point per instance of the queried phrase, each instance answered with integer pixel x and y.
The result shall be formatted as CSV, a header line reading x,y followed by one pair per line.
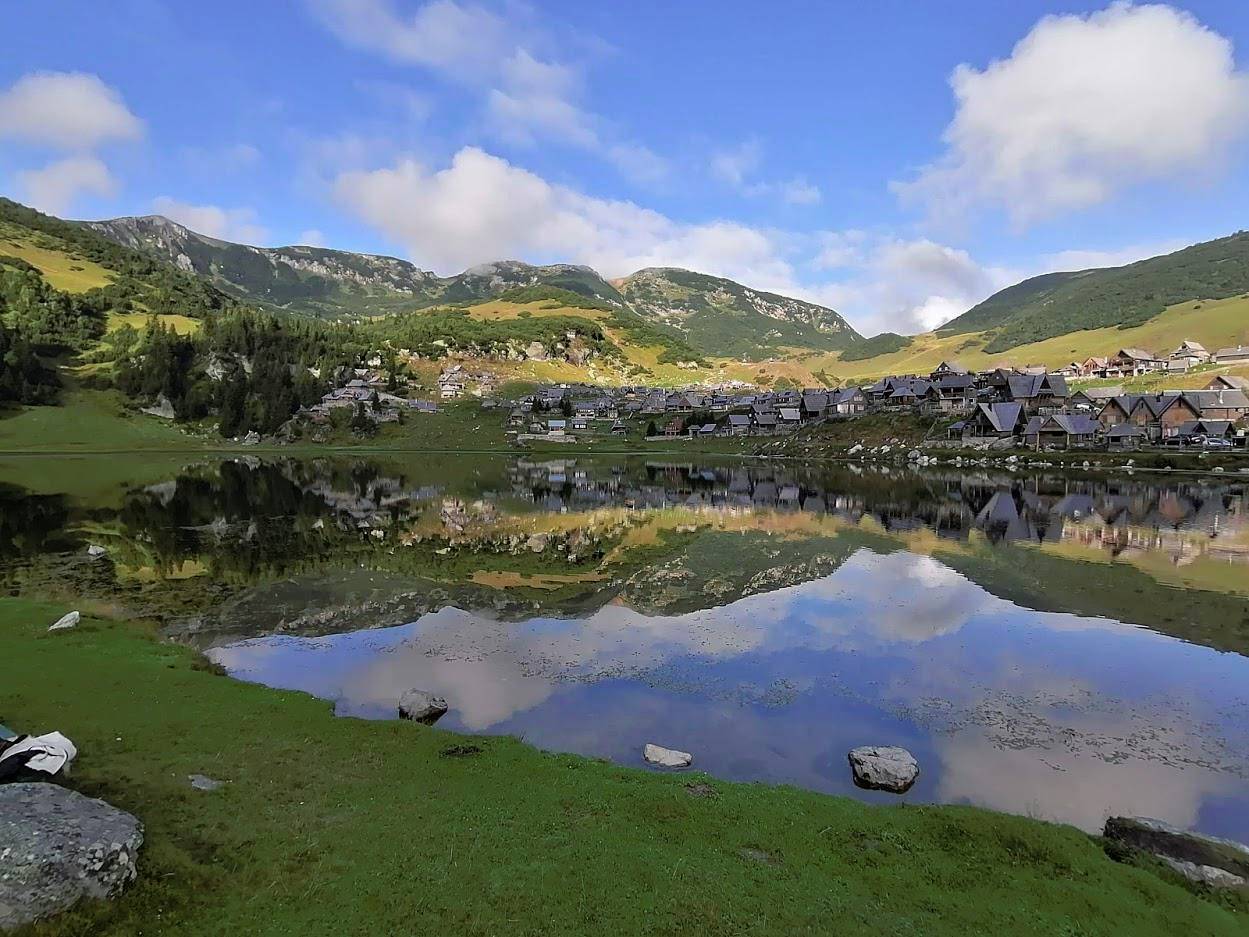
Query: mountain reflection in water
x,y
1055,646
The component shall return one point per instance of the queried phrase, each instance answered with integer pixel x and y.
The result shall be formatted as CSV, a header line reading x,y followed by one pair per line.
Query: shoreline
x,y
499,826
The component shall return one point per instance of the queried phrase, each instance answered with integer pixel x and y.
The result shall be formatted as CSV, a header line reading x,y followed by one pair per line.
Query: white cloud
x,y
464,42
482,208
227,224
525,98
1083,107
736,167
54,188
65,110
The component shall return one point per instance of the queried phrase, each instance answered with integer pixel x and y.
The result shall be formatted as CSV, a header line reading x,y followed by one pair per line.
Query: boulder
x,y
883,768
96,551
1206,875
202,782
420,706
57,847
538,542
1172,843
161,408
667,757
65,622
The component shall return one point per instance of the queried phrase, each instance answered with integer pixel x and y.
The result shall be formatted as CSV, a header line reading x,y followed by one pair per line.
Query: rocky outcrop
x,y
884,768
423,707
1220,863
667,757
58,847
66,621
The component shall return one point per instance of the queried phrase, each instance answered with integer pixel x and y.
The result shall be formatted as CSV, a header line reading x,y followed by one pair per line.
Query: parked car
x,y
1218,444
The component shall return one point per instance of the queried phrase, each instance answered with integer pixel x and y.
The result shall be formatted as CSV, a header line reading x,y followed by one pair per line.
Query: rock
x,y
537,542
536,351
884,768
667,757
95,552
161,408
420,706
65,622
1204,874
57,847
913,455
1171,842
201,782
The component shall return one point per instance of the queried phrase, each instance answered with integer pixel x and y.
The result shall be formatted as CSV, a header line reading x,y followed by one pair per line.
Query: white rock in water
x,y
884,768
66,621
667,757
95,552
420,706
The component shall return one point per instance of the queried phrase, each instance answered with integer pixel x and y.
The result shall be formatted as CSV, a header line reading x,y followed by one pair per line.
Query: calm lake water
x,y
1065,647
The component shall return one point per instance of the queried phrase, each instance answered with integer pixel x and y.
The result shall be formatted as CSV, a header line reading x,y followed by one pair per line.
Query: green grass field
x,y
61,270
341,826
1215,324
89,421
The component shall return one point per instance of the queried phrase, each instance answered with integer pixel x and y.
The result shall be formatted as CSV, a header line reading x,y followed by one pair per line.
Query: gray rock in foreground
x,y
57,847
667,757
1183,847
1204,874
66,621
884,768
420,706
202,782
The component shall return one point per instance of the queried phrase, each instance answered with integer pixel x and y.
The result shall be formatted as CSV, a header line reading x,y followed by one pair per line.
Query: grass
x,y
89,421
62,271
342,826
1215,324
139,320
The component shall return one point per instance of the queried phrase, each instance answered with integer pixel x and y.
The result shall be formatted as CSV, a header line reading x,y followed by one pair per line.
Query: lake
x,y
1060,646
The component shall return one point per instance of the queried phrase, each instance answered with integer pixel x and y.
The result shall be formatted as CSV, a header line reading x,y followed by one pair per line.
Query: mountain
x,y
1058,303
715,316
726,318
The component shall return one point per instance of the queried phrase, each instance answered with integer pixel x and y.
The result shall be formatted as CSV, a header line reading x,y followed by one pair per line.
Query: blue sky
x,y
898,163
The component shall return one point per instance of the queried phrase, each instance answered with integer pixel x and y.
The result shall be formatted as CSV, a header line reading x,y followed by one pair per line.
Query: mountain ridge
x,y
715,315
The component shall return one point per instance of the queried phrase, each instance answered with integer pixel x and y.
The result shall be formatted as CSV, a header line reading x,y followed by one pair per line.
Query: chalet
x,y
517,417
738,424
580,424
619,429
556,427
1230,405
1237,355
1061,429
847,401
1134,361
706,431
952,393
948,369
1211,429
1093,398
789,416
765,424
674,427
1071,369
1094,367
1035,391
1229,382
995,419
815,404
1124,436
1188,355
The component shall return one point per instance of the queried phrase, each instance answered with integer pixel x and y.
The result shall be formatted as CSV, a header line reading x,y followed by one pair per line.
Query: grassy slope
x,y
1213,323
62,271
339,827
88,421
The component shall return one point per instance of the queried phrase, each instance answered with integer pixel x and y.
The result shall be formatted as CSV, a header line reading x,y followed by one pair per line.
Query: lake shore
x,y
398,827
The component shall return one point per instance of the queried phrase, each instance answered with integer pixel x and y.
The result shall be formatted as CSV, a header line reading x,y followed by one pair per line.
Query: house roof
x,y
1003,417
1231,382
1136,354
1236,352
1125,431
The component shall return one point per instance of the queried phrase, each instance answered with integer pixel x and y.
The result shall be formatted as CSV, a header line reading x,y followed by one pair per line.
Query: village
x,y
1032,407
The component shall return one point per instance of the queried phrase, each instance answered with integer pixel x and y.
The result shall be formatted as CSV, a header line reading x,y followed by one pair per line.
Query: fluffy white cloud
x,y
483,208
54,188
228,224
65,110
465,42
1083,107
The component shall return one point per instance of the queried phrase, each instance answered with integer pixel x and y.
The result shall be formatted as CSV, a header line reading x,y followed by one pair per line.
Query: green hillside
x,y
721,317
1059,303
